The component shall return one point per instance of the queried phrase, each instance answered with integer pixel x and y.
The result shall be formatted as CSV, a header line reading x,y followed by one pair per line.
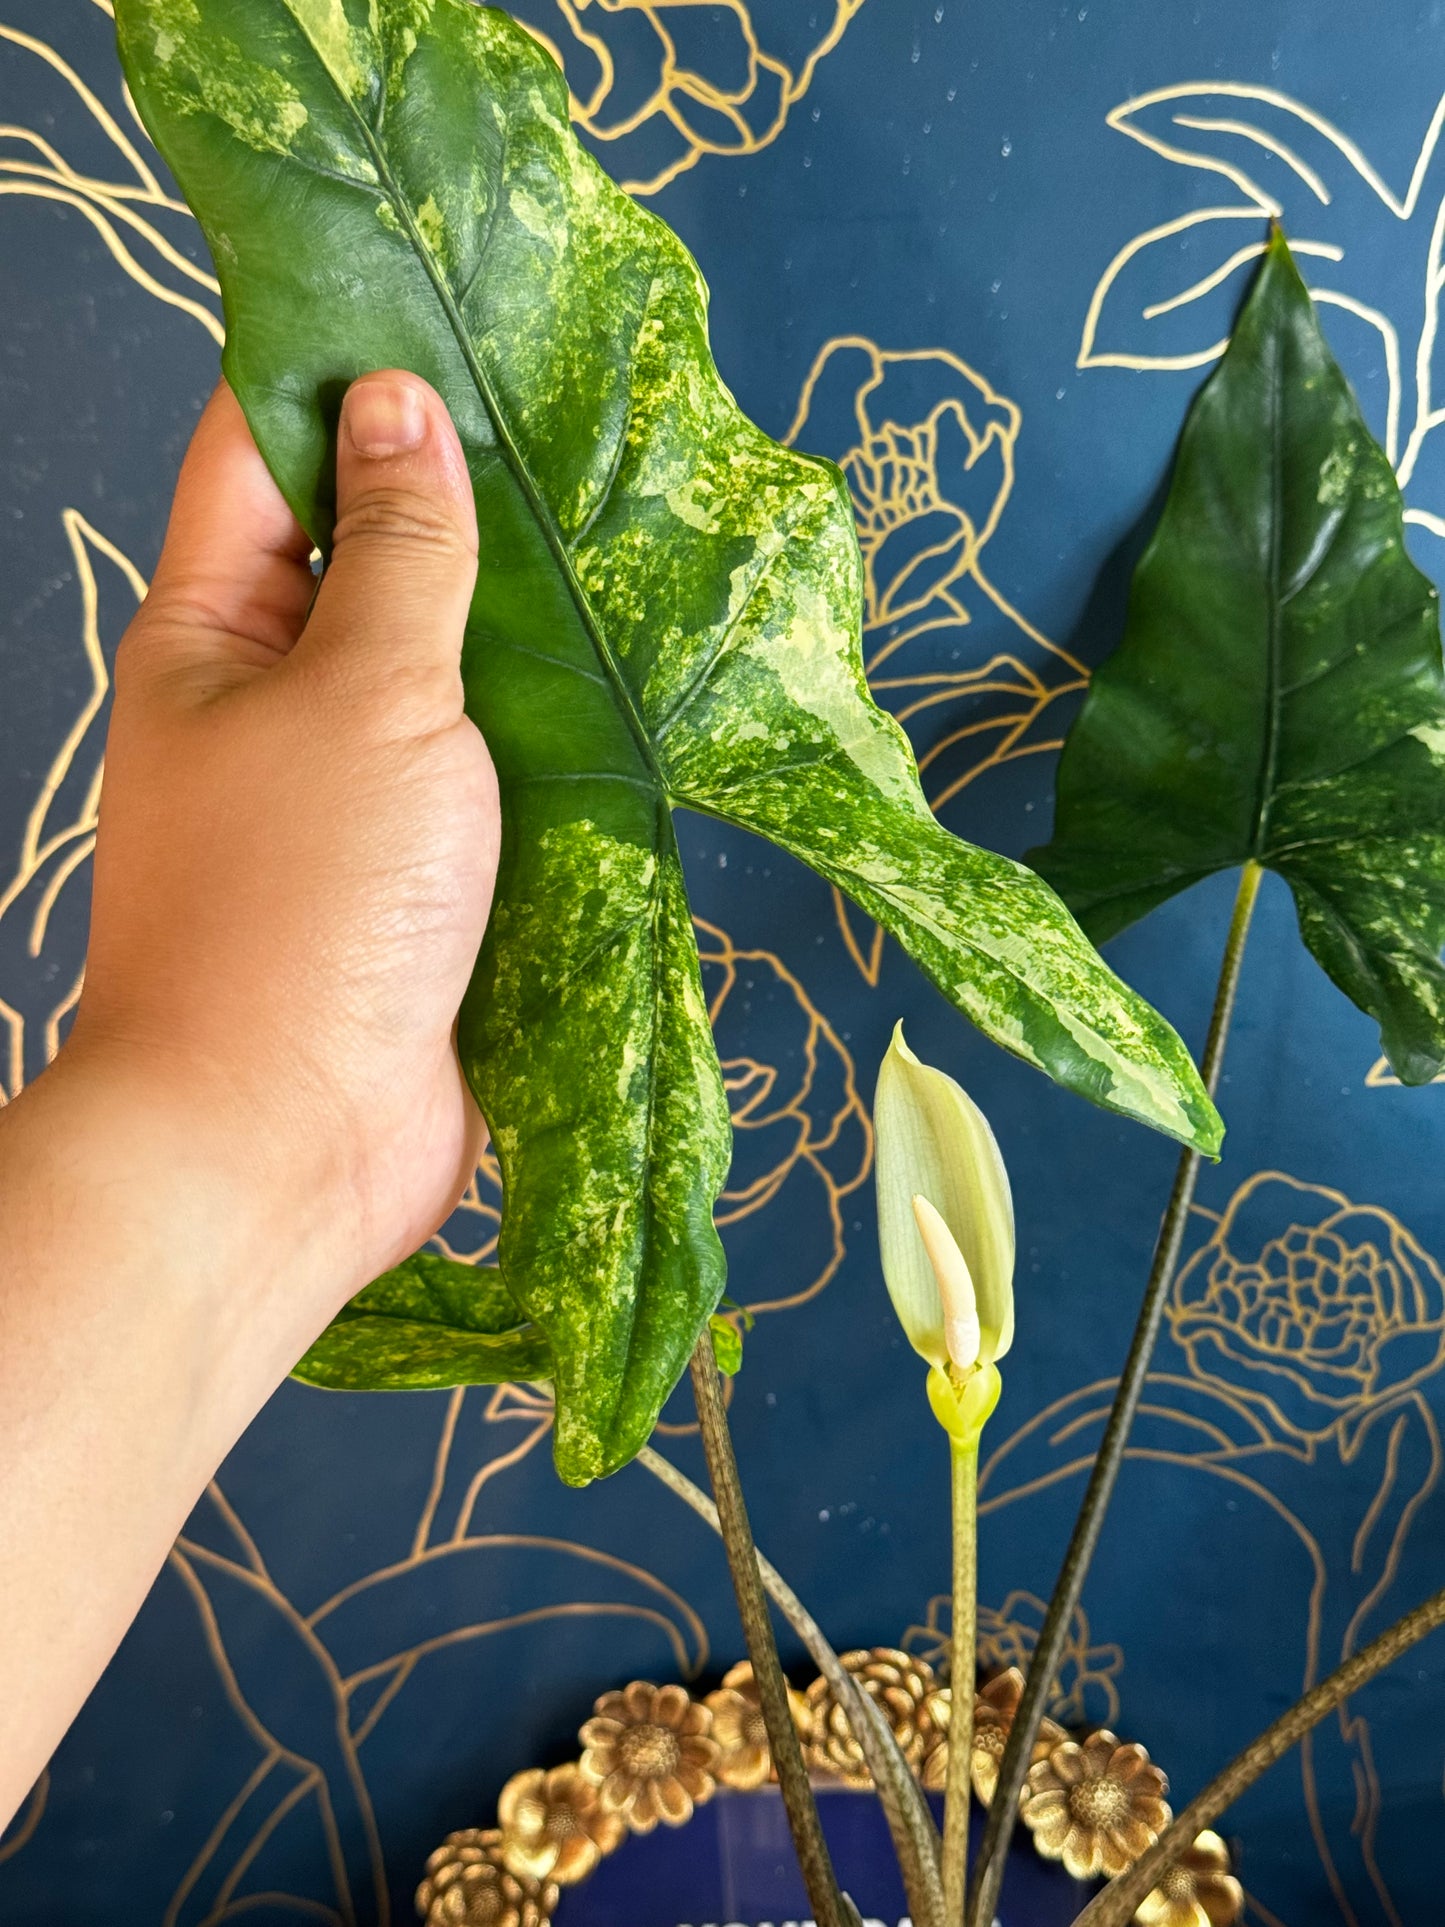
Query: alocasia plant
x,y
667,613
1278,696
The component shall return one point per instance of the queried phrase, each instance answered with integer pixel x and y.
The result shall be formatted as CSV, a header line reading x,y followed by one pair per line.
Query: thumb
x,y
392,607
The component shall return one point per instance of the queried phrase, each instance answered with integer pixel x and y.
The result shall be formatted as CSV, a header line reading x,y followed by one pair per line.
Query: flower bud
x,y
949,1264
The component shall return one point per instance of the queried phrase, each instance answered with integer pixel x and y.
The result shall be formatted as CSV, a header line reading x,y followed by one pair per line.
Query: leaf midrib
x,y
1273,694
542,514
535,500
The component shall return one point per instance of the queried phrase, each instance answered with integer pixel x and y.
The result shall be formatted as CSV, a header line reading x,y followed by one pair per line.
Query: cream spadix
x,y
935,1145
962,1335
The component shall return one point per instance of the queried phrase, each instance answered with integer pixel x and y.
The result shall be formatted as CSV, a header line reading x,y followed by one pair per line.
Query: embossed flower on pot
x,y
934,1770
1310,1306
744,1756
1096,1805
994,1710
649,1750
466,1885
900,1684
554,1825
1198,1891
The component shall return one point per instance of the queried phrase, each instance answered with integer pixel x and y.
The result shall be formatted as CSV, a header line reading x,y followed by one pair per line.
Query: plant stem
x,y
915,1838
963,1667
1115,1906
1044,1665
827,1903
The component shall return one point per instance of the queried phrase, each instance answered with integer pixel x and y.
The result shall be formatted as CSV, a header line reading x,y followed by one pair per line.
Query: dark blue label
x,y
733,1866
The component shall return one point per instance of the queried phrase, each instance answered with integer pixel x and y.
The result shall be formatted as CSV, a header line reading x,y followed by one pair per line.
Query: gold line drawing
x,y
928,448
310,1689
59,834
33,168
22,1830
1084,1693
1379,1077
665,82
1308,1326
1289,163
1317,1324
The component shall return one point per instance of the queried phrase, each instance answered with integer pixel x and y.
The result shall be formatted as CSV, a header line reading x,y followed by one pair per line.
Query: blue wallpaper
x,y
979,254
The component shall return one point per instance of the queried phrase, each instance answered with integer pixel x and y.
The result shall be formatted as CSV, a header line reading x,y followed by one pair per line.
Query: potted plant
x,y
668,614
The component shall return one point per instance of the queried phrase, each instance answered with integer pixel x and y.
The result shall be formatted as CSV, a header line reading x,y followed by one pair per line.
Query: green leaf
x,y
668,613
727,1345
1278,694
430,1323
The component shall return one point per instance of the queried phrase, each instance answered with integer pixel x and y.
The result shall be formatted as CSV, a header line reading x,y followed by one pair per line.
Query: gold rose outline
x,y
692,105
1408,1300
1219,1427
1288,163
995,709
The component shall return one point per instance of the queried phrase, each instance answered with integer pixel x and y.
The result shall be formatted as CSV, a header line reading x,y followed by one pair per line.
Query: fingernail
x,y
385,418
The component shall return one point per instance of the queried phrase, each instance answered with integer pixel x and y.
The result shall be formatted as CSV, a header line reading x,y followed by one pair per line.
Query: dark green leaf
x,y
1278,694
430,1323
668,613
727,1346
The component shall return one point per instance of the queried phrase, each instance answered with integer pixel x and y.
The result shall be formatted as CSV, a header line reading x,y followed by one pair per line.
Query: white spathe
x,y
945,1214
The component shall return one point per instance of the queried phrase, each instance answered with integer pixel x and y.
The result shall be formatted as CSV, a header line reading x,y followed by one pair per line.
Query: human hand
x,y
298,841
259,1107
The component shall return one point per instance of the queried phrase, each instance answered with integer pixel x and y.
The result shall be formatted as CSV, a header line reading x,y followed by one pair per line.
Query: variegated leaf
x,y
1279,695
667,613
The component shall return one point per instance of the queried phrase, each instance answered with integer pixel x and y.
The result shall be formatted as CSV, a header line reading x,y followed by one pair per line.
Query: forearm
x,y
133,1352
260,1107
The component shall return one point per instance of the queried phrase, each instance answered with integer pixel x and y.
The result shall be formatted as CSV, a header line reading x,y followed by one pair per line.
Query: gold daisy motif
x,y
1198,1891
937,1708
466,1885
994,1712
554,1826
901,1685
650,1754
1096,1805
745,1758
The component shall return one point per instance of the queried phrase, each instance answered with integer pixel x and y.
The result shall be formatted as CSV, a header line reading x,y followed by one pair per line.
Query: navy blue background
x,y
945,185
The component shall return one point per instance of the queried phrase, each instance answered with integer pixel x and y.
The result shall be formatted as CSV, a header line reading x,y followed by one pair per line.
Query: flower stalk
x,y
1044,1666
946,1240
915,1838
962,1669
830,1909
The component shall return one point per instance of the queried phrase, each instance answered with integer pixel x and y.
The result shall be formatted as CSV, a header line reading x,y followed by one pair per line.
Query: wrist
x,y
231,1276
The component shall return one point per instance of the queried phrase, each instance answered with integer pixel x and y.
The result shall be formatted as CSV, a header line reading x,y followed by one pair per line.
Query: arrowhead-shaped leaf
x,y
1278,695
667,613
